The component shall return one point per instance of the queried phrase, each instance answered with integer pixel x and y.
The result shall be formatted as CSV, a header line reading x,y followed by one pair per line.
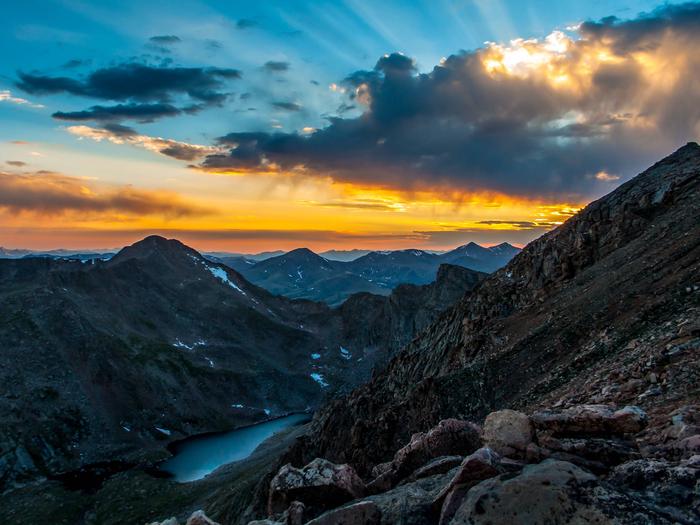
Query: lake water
x,y
200,455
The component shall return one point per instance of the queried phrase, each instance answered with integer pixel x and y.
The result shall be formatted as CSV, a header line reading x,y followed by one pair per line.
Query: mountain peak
x,y
151,246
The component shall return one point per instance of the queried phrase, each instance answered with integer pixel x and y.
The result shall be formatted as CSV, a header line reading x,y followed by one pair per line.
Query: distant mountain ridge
x,y
303,274
159,342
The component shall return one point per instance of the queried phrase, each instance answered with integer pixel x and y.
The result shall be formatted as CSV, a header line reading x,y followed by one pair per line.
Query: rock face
x,y
600,310
508,431
319,485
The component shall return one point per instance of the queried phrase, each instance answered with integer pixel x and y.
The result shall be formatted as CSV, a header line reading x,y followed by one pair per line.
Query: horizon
x,y
321,125
242,253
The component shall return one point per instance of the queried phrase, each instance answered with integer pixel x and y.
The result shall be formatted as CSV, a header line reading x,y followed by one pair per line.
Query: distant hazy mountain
x,y
344,255
303,274
55,254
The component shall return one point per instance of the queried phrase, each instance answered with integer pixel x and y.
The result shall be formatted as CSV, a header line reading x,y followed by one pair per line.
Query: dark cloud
x,y
138,112
245,23
49,193
149,92
286,106
137,82
16,163
165,39
614,100
274,66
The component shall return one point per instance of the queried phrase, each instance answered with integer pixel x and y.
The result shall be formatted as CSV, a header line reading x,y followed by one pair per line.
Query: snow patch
x,y
345,353
221,274
315,356
319,379
211,363
163,431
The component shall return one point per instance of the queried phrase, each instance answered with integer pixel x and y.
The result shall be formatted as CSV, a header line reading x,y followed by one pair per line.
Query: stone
x,y
321,485
552,493
590,420
448,437
362,513
507,432
169,521
481,465
439,465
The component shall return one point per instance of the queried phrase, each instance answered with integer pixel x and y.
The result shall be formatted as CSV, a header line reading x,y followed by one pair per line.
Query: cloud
x,y
286,106
49,193
118,134
606,177
6,96
139,112
15,163
528,117
276,67
137,82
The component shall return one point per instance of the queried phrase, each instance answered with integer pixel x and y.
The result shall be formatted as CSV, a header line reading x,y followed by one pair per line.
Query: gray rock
x,y
507,432
553,493
199,518
362,513
437,466
591,420
320,485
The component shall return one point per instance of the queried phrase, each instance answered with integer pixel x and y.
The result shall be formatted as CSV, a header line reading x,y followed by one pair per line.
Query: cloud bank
x,y
562,117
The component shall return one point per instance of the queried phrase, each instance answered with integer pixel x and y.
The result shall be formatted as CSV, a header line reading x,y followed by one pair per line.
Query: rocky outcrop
x,y
576,464
319,485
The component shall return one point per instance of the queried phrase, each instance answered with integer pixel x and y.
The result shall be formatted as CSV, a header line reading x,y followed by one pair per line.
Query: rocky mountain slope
x,y
102,359
302,274
592,330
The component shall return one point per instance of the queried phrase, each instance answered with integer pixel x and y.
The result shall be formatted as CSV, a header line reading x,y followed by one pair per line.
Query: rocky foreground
x,y
582,464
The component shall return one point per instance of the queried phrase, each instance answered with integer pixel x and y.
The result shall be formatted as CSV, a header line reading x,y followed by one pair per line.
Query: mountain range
x,y
107,359
303,274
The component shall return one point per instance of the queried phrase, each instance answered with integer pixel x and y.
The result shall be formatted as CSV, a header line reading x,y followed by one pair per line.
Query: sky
x,y
250,126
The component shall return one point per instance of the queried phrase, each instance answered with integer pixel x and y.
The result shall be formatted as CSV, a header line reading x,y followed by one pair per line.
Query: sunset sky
x,y
249,126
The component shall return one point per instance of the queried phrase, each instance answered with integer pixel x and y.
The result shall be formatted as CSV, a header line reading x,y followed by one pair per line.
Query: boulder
x,y
362,513
320,485
410,503
481,465
169,521
449,437
508,432
590,420
553,493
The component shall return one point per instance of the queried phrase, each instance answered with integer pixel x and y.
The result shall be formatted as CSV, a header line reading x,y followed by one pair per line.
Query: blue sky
x,y
265,125
322,41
